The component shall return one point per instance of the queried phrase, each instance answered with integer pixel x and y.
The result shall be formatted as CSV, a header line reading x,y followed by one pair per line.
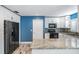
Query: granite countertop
x,y
74,34
48,43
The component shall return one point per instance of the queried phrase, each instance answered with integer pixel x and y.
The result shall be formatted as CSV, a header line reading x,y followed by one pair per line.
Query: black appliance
x,y
52,30
53,35
11,36
52,25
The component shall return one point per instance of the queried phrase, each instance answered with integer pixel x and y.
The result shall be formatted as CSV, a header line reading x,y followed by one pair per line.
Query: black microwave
x,y
52,25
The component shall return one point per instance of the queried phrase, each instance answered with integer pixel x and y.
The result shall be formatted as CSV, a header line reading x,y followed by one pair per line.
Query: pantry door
x,y
37,29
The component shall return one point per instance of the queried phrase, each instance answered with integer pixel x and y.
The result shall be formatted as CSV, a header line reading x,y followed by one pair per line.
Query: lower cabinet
x,y
70,41
77,42
47,36
73,42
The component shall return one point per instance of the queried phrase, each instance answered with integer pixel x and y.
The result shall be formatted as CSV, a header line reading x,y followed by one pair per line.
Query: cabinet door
x,y
73,42
77,42
67,41
47,35
37,29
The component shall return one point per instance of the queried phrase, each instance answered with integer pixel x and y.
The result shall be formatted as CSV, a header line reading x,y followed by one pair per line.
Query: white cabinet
x,y
47,35
77,40
61,36
70,41
73,42
74,25
67,41
59,21
67,22
48,20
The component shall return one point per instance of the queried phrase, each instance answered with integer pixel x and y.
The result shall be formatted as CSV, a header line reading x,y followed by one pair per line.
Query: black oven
x,y
52,30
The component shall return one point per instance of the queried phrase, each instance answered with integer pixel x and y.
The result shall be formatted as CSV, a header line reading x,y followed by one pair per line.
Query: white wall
x,y
5,15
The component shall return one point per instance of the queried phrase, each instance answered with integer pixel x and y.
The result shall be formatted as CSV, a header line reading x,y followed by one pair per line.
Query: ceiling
x,y
42,10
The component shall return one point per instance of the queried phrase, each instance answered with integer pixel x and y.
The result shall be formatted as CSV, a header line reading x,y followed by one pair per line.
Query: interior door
x,y
37,29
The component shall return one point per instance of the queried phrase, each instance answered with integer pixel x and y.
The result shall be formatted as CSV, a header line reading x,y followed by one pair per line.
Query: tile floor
x,y
23,49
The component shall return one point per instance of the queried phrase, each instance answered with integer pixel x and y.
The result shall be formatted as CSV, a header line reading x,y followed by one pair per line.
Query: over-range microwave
x,y
52,25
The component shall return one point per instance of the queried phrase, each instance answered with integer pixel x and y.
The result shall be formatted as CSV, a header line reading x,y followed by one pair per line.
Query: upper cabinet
x,y
67,22
74,22
59,21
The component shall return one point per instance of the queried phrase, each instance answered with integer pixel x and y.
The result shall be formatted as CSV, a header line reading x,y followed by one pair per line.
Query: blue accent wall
x,y
73,16
26,26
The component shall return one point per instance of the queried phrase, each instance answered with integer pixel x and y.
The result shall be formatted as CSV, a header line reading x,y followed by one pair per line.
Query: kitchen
x,y
41,30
